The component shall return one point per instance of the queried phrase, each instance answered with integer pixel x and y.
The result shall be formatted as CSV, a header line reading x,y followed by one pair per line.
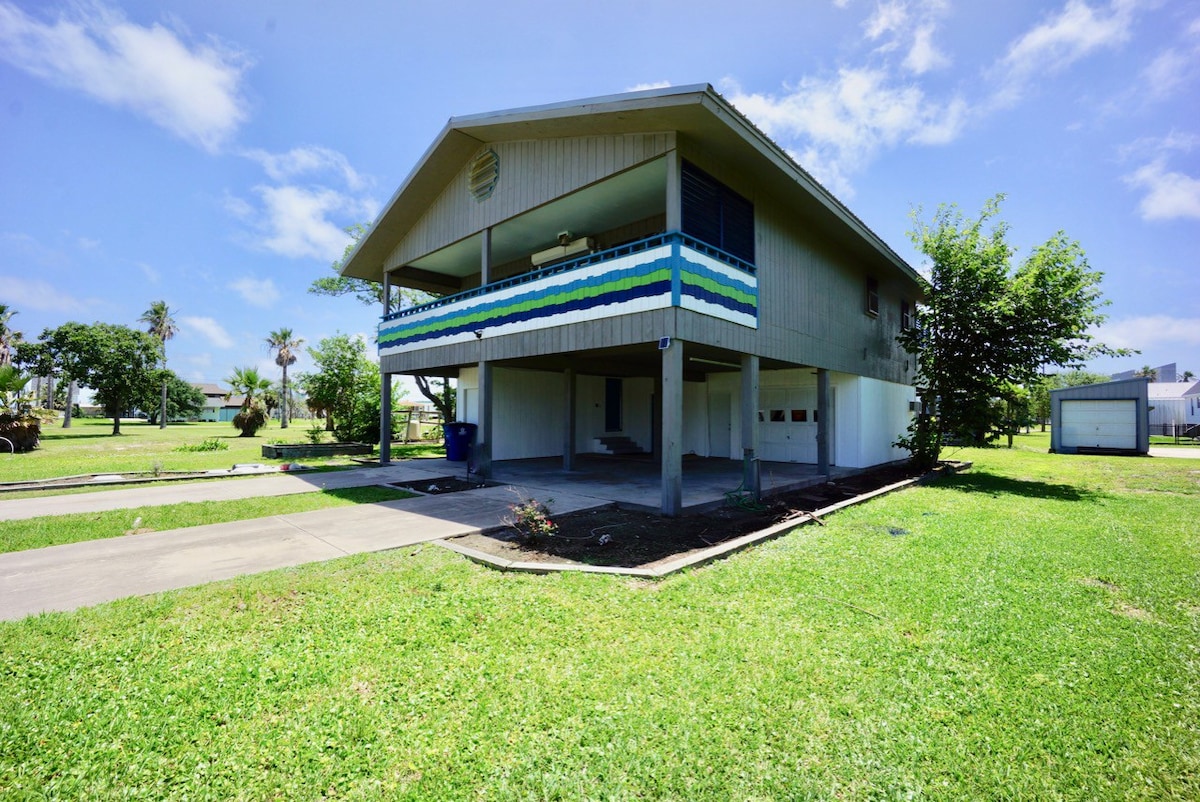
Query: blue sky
x,y
210,154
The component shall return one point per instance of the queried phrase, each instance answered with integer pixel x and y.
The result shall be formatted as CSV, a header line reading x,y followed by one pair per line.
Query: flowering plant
x,y
531,519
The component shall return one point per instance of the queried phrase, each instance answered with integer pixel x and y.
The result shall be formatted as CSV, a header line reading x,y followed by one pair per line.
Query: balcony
x,y
659,272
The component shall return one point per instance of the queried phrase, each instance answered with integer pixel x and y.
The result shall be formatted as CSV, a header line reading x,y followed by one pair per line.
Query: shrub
x,y
209,444
315,433
531,519
251,418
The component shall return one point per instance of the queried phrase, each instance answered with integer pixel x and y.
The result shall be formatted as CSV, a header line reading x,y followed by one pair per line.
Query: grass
x,y
55,530
89,447
1027,630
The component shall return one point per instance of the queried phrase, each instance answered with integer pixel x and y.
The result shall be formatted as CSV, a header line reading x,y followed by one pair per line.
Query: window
x,y
777,416
905,315
872,306
714,213
799,416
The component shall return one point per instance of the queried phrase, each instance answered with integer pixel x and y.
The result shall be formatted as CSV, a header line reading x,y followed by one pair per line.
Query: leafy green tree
x,y
284,344
161,325
985,326
184,399
252,386
346,387
371,294
116,361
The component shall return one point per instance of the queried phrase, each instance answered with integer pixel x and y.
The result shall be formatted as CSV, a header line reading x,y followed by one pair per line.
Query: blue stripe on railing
x,y
575,264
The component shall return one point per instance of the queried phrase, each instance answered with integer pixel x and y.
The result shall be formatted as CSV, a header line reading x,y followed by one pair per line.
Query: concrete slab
x,y
1176,452
76,575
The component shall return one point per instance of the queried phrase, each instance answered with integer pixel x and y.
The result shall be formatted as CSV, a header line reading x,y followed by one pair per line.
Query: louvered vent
x,y
483,175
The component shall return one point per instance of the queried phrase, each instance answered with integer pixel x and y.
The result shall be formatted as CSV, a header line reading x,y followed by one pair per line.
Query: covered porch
x,y
635,482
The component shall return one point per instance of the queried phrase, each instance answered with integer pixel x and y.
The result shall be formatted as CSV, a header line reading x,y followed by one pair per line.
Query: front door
x,y
613,393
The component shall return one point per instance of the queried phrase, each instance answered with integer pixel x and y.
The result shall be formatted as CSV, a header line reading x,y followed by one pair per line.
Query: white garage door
x,y
1099,424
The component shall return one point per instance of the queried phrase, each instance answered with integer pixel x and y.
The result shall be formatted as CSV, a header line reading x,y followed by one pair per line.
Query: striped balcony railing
x,y
654,273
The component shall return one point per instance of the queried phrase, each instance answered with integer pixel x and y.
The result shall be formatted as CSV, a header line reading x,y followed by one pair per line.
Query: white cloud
x,y
1062,39
296,221
41,296
1150,331
888,18
847,119
257,292
1169,195
149,272
307,160
192,90
924,56
208,329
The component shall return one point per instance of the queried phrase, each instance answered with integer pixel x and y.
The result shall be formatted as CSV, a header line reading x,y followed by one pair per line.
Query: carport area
x,y
635,482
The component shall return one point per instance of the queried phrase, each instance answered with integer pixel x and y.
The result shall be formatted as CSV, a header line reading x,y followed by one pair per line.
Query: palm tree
x,y
160,324
250,384
8,336
1188,375
285,345
1147,372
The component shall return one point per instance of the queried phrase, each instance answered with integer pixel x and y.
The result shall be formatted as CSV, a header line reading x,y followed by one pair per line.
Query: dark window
x,y
814,416
777,416
905,315
799,415
872,297
714,213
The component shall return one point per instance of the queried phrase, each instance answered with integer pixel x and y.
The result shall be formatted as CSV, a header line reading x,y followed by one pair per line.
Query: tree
x,y
1188,375
984,326
346,387
184,399
371,294
9,337
1147,372
284,344
117,362
251,385
161,325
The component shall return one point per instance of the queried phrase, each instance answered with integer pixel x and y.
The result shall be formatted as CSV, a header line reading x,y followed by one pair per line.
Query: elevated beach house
x,y
645,272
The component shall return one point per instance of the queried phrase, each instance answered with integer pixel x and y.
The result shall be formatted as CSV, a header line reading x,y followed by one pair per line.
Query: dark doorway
x,y
613,392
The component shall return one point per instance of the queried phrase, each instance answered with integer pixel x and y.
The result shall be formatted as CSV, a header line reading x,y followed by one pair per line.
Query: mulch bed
x,y
436,487
630,538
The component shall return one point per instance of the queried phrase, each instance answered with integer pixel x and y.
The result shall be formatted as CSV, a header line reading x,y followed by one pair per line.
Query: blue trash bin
x,y
459,437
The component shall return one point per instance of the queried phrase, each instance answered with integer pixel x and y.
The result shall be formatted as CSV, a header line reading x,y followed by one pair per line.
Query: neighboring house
x,y
216,407
1112,417
643,272
1174,405
1163,373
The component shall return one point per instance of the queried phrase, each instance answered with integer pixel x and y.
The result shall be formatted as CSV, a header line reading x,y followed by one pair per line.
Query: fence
x,y
1178,432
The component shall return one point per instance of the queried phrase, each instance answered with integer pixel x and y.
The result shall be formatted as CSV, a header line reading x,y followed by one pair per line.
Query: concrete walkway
x,y
1177,452
272,484
76,575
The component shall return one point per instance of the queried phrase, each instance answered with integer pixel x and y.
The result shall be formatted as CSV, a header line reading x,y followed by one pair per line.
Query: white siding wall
x,y
869,416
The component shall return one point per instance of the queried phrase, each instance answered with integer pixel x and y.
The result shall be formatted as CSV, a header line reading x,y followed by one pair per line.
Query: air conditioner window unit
x,y
573,248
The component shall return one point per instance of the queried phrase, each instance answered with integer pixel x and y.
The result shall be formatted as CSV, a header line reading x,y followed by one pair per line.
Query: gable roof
x,y
697,111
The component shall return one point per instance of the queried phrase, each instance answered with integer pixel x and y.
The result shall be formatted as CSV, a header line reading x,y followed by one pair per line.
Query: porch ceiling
x,y
633,195
630,361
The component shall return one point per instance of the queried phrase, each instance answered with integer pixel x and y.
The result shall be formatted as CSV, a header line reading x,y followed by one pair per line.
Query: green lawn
x,y
89,447
55,530
1029,629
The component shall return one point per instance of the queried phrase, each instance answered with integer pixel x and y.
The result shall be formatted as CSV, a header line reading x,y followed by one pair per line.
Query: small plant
x,y
531,519
315,434
208,444
156,468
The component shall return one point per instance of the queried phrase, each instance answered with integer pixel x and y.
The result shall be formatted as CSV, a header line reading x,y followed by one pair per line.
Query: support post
x,y
385,418
674,192
485,257
569,419
749,404
672,429
482,453
823,413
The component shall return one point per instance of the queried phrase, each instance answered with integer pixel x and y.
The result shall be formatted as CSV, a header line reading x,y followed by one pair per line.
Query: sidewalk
x,y
76,575
272,484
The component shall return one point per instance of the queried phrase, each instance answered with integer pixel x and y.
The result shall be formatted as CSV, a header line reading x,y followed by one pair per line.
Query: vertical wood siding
x,y
532,173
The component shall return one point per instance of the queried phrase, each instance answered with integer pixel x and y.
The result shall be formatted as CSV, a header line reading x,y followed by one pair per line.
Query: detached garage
x,y
1109,418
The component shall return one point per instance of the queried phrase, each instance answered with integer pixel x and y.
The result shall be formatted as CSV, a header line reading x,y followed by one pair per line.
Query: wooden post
x,y
482,453
672,429
749,404
385,418
569,419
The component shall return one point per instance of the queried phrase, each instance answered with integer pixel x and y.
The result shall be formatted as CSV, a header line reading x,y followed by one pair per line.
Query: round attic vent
x,y
483,175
